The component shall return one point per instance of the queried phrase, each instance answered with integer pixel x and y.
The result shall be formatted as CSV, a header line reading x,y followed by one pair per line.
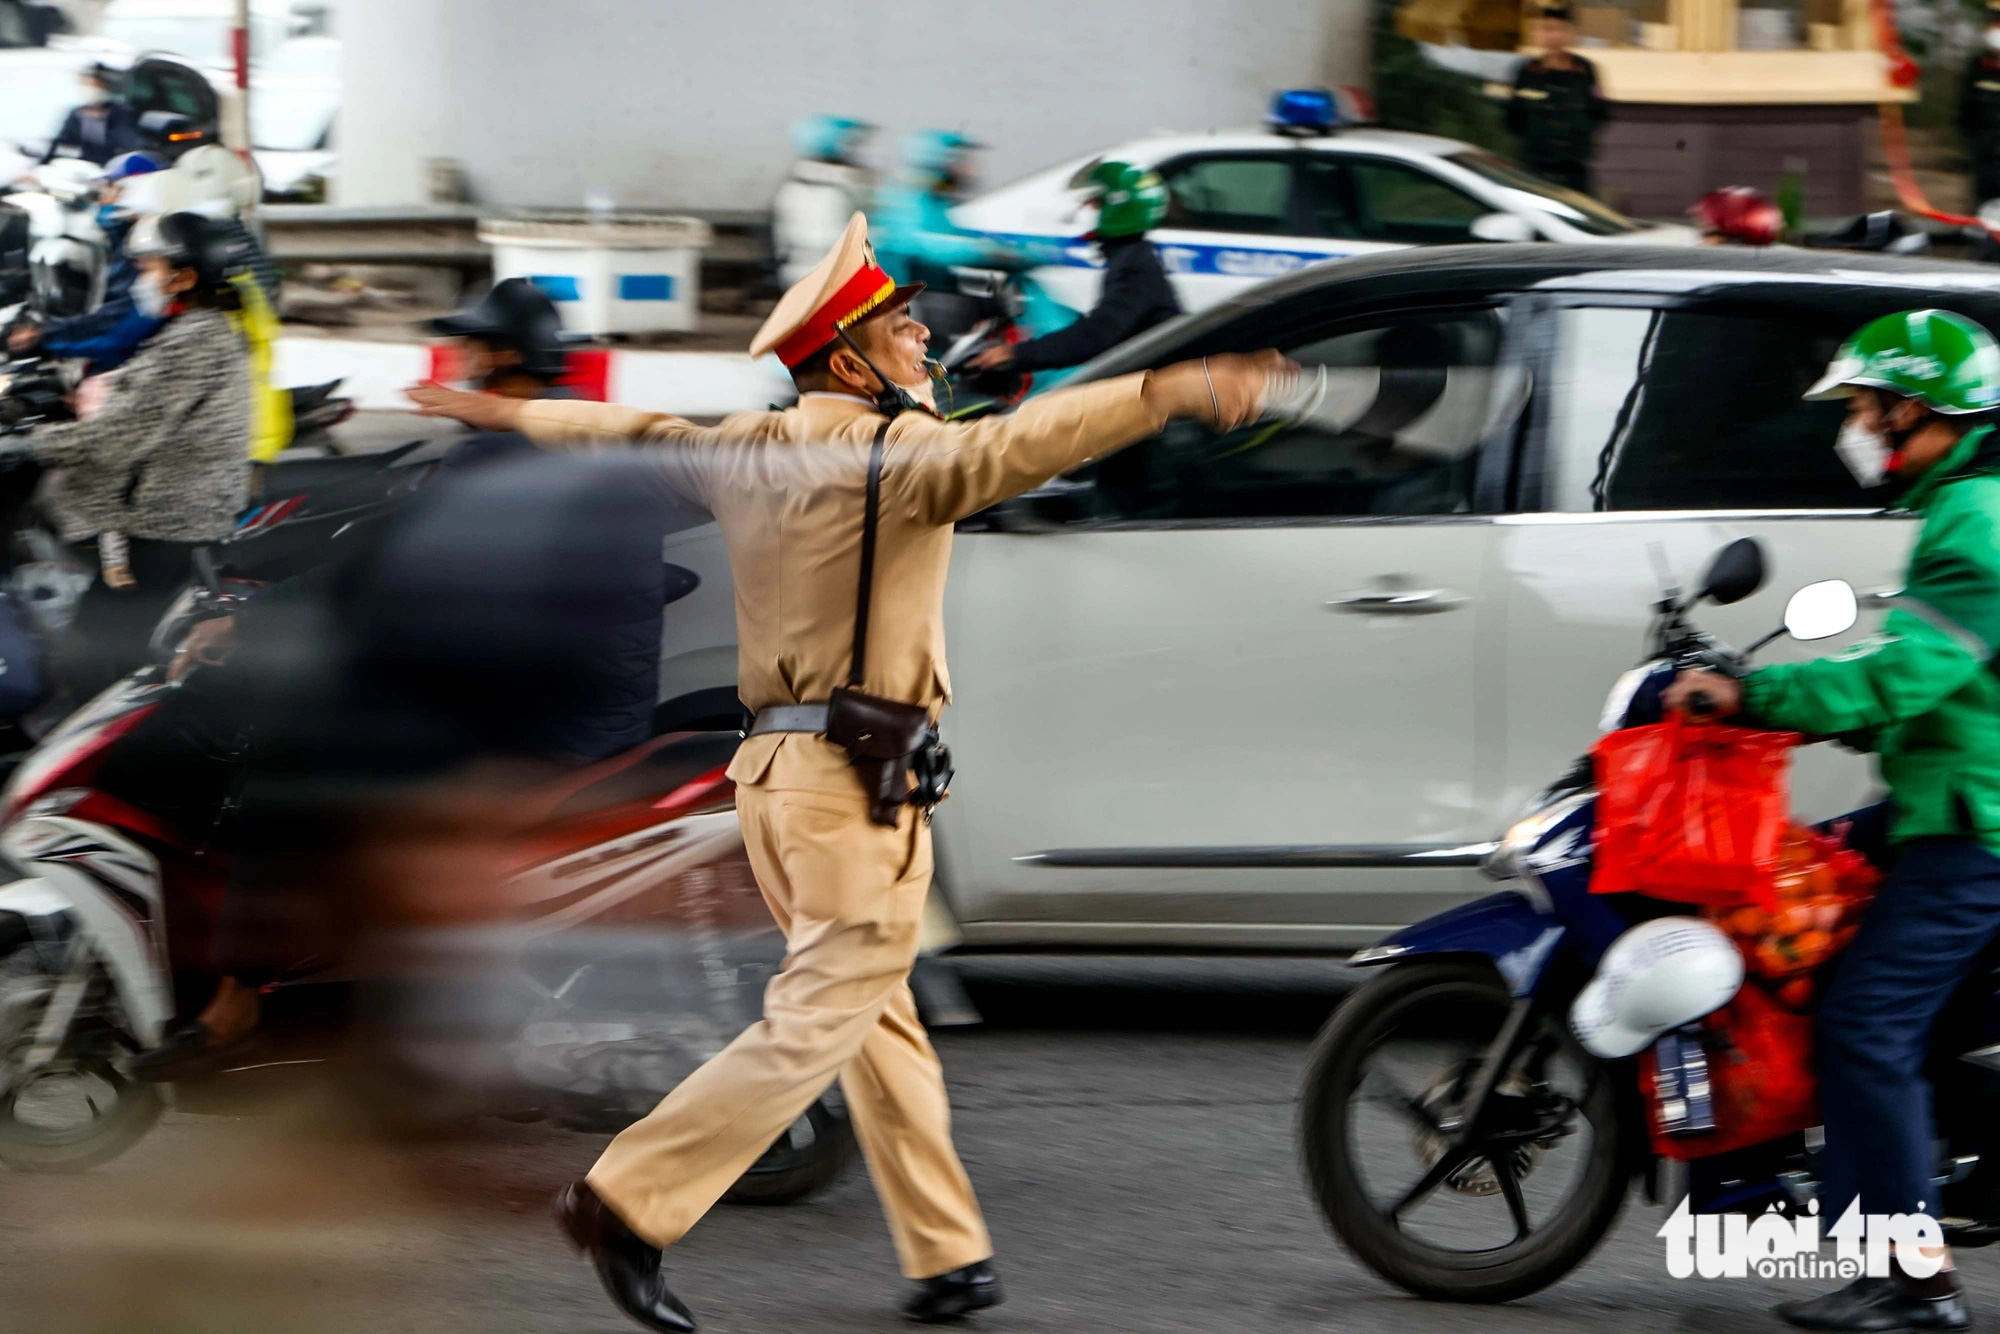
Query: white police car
x,y
1250,206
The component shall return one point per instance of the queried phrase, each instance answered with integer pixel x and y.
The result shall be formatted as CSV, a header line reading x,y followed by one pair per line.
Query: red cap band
x,y
867,289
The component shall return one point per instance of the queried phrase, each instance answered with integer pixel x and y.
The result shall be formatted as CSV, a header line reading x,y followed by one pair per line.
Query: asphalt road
x,y
1130,1129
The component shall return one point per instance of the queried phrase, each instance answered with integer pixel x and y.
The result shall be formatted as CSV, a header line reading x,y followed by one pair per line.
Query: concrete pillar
x,y
398,104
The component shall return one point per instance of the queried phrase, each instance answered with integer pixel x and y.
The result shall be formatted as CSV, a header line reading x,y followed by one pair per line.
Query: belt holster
x,y
885,739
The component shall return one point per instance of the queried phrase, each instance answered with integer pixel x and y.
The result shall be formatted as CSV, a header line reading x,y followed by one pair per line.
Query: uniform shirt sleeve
x,y
1942,631
561,424
1120,311
945,471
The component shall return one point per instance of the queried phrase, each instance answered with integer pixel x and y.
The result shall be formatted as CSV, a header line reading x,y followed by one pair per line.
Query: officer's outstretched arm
x,y
948,470
572,424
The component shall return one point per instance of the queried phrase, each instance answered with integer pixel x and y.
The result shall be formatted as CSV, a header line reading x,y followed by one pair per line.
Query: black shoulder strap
x,y
870,516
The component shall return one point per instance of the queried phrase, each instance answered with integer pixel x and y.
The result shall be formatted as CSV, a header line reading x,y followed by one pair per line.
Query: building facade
x,y
688,103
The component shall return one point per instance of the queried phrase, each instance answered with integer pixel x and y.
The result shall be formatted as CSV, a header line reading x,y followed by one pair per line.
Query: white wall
x,y
688,102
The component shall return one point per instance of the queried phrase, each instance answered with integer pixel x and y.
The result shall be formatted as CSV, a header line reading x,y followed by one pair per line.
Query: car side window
x,y
1328,196
1396,202
1251,195
1692,410
1410,401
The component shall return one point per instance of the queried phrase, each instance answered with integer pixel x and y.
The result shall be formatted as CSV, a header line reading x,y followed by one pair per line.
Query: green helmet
x,y
1943,360
1130,200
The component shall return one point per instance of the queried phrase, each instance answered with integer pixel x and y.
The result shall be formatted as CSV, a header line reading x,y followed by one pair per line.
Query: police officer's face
x,y
897,344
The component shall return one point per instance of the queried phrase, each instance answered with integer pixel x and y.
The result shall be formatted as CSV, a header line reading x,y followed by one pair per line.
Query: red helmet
x,y
1739,215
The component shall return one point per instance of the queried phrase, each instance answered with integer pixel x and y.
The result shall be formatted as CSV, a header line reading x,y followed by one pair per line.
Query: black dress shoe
x,y
626,1265
949,1296
190,1050
1878,1304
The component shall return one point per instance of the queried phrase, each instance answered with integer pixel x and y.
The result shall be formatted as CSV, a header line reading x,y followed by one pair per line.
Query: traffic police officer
x,y
1556,108
844,869
1979,110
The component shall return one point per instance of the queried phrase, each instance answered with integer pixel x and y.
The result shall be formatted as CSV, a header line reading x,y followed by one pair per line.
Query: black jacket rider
x,y
1136,297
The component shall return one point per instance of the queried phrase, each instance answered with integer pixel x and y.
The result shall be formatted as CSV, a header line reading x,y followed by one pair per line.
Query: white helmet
x,y
209,180
1656,977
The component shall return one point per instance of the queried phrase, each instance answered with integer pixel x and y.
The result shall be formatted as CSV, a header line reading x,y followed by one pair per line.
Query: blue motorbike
x,y
1457,1137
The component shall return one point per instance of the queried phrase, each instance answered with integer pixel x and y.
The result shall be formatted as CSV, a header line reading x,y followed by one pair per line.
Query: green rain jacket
x,y
1923,693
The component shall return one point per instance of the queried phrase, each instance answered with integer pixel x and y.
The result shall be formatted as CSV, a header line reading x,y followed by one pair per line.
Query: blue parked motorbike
x,y
1455,1135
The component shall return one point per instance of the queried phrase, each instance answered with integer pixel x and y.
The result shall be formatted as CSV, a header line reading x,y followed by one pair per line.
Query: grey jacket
x,y
168,455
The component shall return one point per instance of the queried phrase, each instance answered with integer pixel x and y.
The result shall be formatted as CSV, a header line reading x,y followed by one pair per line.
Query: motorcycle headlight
x,y
1510,860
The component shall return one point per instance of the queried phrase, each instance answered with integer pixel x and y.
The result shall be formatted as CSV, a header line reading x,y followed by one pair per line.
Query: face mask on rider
x,y
92,95
1865,452
149,298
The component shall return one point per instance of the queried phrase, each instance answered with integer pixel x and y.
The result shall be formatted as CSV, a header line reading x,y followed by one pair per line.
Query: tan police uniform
x,y
788,490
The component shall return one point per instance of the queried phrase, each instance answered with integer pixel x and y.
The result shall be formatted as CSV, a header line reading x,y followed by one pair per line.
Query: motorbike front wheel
x,y
1482,1218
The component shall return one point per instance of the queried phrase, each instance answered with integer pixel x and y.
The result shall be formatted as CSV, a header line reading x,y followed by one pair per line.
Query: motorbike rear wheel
x,y
1470,1251
805,1160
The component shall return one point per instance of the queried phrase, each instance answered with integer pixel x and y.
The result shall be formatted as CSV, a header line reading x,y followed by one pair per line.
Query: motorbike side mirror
x,y
1736,572
1502,227
1822,610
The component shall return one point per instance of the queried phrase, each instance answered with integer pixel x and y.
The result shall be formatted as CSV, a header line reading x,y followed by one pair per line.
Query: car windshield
x,y
1578,210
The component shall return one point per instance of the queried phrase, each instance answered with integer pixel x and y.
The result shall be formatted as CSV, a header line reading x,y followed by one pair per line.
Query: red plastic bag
x,y
1760,1072
1692,812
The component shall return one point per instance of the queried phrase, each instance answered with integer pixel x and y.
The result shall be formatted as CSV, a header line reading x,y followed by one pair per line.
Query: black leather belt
x,y
789,718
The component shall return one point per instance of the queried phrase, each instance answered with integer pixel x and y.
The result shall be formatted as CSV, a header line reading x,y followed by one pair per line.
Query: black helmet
x,y
514,314
190,241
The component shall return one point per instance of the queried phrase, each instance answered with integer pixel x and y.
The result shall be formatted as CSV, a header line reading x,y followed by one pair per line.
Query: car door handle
x,y
1399,602
1881,597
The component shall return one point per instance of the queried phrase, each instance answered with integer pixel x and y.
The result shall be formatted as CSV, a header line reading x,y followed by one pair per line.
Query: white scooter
x,y
68,255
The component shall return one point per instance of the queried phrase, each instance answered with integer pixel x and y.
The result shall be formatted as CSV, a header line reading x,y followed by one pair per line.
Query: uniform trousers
x,y
849,896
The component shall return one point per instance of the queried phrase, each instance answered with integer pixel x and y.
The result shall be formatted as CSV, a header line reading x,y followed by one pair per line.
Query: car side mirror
x,y
1822,610
1503,227
1736,572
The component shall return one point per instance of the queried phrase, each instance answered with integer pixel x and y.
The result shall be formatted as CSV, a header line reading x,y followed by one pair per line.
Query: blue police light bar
x,y
1304,111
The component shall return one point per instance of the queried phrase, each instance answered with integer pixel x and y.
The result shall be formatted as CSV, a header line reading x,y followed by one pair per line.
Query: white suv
x,y
1283,692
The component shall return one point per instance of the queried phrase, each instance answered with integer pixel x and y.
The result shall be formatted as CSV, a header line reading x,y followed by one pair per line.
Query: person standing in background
x,y
1556,107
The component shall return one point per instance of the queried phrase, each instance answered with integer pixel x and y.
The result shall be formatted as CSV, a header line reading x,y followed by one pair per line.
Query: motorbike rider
x,y
1556,107
99,128
844,860
508,342
162,466
1921,694
1979,110
107,336
1737,215
826,186
1130,201
918,241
